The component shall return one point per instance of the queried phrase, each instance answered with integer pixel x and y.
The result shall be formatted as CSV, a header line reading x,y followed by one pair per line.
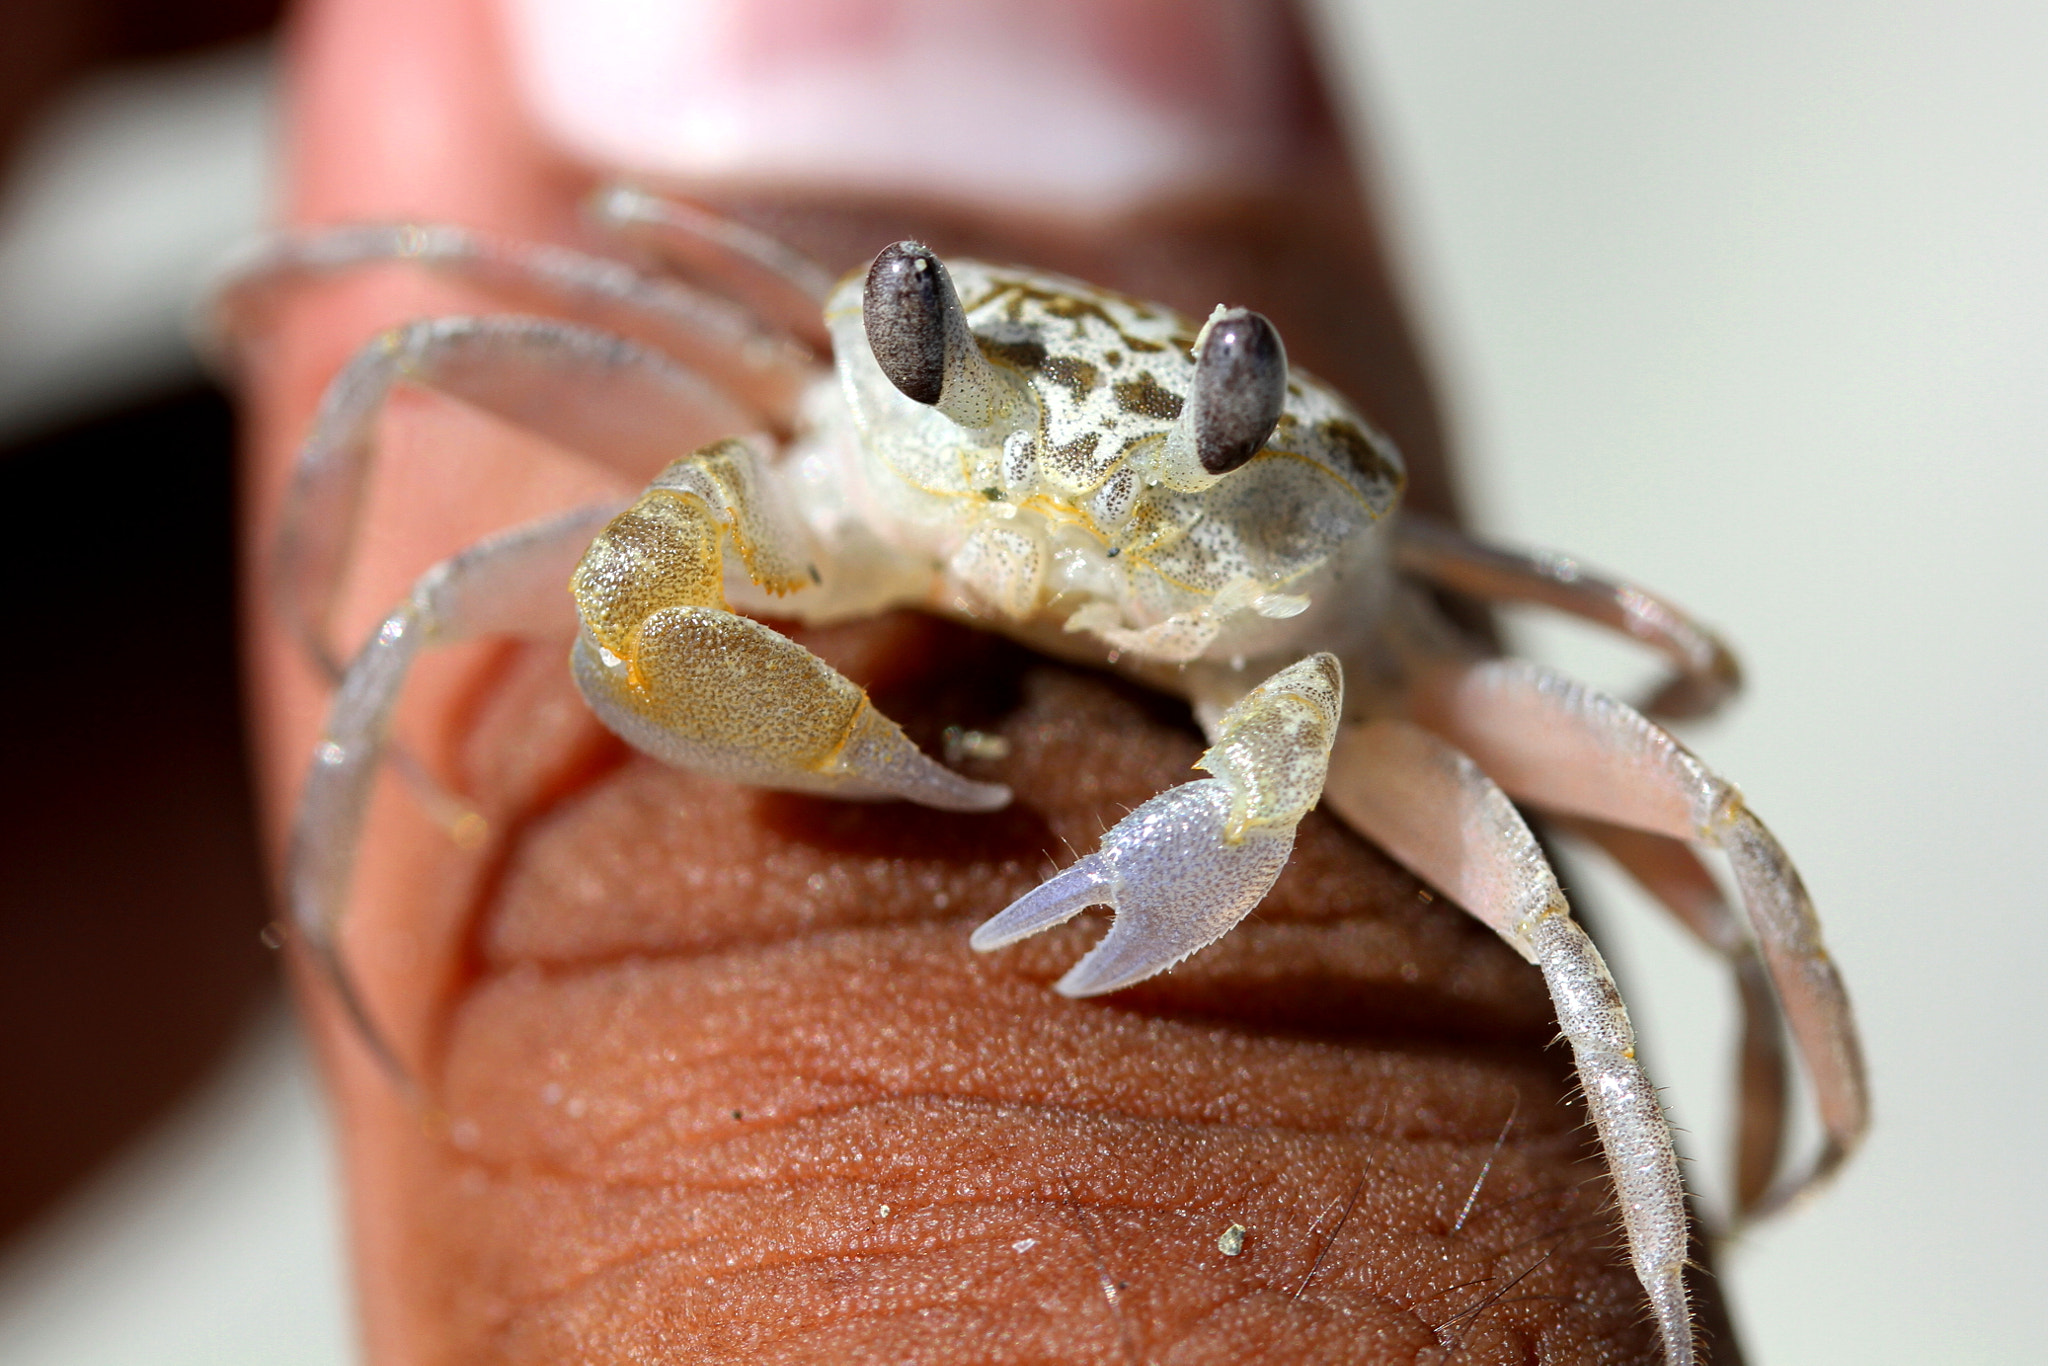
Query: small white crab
x,y
1094,477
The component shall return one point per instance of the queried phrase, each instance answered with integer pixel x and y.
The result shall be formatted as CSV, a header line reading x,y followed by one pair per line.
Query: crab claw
x,y
1234,403
919,334
1177,881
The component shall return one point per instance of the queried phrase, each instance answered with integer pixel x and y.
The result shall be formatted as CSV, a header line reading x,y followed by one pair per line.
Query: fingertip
x,y
1091,104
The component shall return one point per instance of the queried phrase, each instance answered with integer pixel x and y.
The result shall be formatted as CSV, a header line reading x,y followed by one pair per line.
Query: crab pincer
x,y
1186,866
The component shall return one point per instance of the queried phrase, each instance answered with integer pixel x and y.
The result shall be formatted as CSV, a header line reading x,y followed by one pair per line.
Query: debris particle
x,y
1023,1245
885,1211
1232,1241
961,743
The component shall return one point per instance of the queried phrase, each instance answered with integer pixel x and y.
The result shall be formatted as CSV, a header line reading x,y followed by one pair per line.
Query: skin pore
x,y
712,1074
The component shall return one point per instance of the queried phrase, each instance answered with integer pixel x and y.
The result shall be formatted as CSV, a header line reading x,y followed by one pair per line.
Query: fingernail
x,y
1063,105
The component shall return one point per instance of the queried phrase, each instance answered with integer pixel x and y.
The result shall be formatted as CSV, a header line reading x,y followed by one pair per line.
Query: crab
x,y
1104,481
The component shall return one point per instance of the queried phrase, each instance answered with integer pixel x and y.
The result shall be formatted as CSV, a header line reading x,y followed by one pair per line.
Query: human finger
x,y
716,1068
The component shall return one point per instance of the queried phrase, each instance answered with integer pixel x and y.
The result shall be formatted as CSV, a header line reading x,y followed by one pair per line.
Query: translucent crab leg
x,y
1707,672
1671,872
1560,745
1434,810
763,368
779,282
619,403
510,583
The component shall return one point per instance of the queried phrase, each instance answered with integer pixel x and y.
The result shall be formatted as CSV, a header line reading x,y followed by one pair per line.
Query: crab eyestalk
x,y
1234,404
919,334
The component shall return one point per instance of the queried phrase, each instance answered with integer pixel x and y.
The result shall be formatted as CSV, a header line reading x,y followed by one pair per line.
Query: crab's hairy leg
x,y
1566,747
1672,873
778,281
1706,672
1186,866
762,367
666,664
1431,808
619,403
510,583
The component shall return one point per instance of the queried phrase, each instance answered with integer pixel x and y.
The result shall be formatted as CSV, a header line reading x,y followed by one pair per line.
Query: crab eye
x,y
919,334
905,306
1239,390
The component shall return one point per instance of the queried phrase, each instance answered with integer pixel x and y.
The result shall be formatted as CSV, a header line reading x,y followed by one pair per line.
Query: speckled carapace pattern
x,y
724,1083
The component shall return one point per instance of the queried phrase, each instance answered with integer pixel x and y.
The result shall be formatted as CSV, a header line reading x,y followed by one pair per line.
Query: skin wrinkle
x,y
1284,1096
799,1231
957,1090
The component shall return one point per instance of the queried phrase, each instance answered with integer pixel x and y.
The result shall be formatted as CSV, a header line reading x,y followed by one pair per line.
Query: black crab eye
x,y
907,305
1239,390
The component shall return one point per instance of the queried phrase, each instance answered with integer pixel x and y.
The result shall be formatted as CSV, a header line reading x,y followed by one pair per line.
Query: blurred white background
x,y
214,1242
124,194
1748,301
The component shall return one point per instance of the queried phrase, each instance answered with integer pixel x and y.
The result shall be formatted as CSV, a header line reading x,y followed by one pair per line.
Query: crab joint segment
x,y
919,334
509,583
1185,867
1430,806
673,670
1553,742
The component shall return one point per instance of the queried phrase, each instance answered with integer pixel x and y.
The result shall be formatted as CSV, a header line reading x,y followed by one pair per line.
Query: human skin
x,y
711,1074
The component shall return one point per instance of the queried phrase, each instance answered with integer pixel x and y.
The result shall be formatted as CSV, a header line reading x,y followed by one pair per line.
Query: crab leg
x,y
1434,810
613,400
767,370
1707,672
779,281
665,662
1671,872
1565,747
512,583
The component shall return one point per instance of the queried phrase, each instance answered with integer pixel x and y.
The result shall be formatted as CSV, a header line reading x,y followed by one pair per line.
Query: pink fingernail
x,y
1075,105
